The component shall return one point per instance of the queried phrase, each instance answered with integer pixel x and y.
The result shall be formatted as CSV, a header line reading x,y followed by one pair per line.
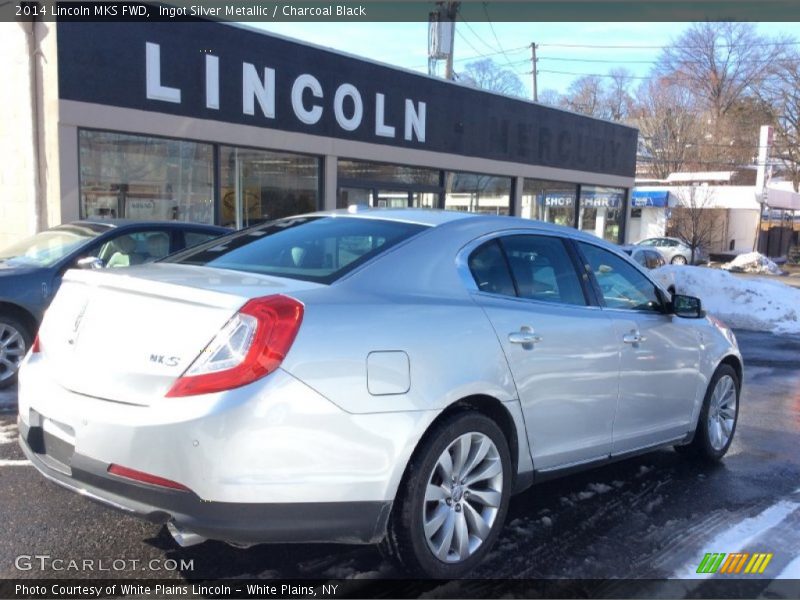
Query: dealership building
x,y
217,123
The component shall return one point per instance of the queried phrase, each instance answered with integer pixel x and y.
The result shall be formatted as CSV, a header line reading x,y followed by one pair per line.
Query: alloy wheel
x,y
12,350
722,412
462,498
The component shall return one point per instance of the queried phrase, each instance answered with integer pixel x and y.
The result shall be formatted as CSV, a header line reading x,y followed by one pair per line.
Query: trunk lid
x,y
127,334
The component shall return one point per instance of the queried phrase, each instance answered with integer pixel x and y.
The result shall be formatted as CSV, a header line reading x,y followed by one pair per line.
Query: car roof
x,y
438,218
125,223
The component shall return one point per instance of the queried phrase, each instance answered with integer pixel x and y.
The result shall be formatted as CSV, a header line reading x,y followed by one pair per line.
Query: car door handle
x,y
525,336
634,337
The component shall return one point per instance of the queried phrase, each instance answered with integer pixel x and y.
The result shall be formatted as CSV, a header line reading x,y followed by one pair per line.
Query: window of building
x,y
374,172
551,201
602,211
480,193
263,185
382,185
147,178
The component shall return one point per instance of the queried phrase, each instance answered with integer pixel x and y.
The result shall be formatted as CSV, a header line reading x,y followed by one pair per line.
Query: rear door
x,y
659,354
562,351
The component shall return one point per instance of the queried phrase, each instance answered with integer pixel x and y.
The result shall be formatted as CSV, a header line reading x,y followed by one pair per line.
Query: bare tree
x,y
585,95
781,93
550,97
693,220
617,97
668,126
488,75
719,62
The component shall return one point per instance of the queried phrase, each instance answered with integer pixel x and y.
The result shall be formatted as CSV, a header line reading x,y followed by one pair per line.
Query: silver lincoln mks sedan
x,y
385,376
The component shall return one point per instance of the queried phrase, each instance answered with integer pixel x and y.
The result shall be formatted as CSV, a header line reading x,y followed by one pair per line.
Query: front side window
x,y
319,249
134,248
621,285
48,247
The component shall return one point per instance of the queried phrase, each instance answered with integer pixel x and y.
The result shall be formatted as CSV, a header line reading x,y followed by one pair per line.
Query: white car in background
x,y
675,251
382,377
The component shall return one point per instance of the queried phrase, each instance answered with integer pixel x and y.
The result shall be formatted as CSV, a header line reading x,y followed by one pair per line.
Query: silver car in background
x,y
675,251
385,377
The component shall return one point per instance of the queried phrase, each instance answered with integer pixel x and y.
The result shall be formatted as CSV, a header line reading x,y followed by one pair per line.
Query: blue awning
x,y
642,198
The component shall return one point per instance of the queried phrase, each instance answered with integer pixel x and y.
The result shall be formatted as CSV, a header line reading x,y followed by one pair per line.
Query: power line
x,y
494,33
480,38
646,47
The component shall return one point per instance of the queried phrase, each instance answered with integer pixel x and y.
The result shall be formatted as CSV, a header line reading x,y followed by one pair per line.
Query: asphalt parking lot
x,y
649,517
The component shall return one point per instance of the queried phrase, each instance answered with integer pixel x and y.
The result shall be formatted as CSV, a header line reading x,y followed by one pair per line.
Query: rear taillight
x,y
251,345
147,478
36,346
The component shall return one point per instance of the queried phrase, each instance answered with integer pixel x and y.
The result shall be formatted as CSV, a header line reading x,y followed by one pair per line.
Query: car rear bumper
x,y
274,461
346,522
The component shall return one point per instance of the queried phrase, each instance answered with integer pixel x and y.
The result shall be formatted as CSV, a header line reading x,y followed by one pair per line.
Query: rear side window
x,y
527,266
319,249
490,270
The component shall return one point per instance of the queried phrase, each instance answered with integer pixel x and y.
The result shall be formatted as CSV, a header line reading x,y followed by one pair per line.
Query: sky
x,y
508,44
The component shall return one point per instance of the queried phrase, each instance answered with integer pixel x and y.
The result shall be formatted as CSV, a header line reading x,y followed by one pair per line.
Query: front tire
x,y
15,339
719,415
679,260
453,498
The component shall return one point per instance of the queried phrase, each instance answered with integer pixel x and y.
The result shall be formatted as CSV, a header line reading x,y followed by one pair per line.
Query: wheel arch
x,y
735,363
17,312
490,407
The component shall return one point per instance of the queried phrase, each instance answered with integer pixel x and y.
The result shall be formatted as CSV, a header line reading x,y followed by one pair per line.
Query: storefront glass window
x,y
262,185
551,201
602,211
474,192
139,177
374,172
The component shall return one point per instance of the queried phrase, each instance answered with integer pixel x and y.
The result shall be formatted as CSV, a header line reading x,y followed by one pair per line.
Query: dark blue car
x,y
31,270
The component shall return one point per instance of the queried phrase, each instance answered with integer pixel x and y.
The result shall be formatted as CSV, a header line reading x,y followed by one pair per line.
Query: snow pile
x,y
752,262
754,304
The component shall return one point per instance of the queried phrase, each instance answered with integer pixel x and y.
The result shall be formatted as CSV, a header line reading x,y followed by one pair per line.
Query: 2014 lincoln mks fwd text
x,y
379,376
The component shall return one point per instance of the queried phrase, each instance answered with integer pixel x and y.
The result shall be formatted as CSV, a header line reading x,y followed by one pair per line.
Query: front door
x,y
562,352
659,355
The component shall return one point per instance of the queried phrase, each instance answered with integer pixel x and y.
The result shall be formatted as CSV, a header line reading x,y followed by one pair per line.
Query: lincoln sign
x,y
219,72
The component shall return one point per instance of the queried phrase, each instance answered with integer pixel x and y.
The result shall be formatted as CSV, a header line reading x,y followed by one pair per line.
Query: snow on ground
x,y
752,262
8,433
744,303
790,571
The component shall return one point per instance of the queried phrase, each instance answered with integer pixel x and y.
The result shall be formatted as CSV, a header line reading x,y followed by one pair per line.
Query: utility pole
x,y
533,72
450,15
441,37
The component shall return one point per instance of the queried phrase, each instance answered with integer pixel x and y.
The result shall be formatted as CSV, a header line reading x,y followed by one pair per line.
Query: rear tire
x,y
15,341
462,519
719,415
679,260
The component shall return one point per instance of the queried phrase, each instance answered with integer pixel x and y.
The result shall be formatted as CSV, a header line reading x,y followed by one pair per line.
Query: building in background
x,y
221,124
744,217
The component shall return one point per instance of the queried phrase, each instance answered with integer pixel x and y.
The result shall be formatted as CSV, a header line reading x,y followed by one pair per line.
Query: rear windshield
x,y
319,249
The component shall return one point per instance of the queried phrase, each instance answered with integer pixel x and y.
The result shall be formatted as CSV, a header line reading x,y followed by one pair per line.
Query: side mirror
x,y
90,262
687,307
